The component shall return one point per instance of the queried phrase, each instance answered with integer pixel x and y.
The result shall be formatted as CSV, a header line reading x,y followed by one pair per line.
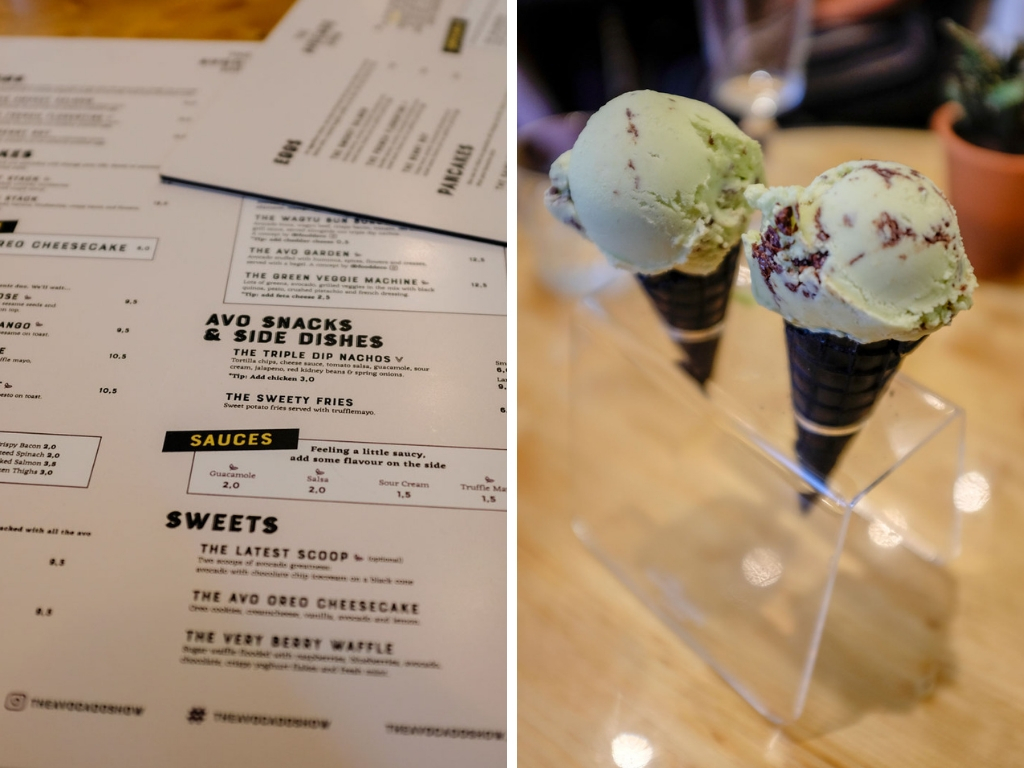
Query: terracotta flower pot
x,y
987,190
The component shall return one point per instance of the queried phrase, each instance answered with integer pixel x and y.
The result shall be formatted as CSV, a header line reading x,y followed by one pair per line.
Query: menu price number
x,y
478,285
124,329
131,301
229,485
477,259
118,355
488,499
108,390
404,494
57,562
50,460
44,611
315,489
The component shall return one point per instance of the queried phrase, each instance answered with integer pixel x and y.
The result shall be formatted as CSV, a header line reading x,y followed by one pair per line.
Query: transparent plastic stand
x,y
693,499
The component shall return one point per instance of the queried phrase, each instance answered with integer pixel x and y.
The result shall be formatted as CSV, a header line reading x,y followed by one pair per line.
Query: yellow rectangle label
x,y
456,32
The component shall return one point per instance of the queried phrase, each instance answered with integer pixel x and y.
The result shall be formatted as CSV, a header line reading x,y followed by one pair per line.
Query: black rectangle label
x,y
6,227
195,440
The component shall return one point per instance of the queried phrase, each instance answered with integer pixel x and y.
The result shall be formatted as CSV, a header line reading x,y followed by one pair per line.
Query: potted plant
x,y
982,128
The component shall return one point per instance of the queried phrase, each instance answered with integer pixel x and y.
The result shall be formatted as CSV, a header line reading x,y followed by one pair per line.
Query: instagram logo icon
x,y
15,702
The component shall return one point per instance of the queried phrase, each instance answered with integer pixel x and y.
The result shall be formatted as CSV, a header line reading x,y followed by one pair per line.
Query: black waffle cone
x,y
835,383
694,303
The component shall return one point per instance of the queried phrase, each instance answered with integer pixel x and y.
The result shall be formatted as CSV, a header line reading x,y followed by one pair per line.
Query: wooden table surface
x,y
184,19
594,662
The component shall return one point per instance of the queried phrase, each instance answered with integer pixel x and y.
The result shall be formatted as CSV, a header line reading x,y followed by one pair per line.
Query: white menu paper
x,y
252,456
394,109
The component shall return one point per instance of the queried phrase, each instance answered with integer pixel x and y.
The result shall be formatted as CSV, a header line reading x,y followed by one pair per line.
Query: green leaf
x,y
1006,94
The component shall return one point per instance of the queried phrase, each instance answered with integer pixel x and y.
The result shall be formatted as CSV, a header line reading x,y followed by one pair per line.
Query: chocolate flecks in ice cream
x,y
888,171
785,222
891,232
814,261
632,129
557,197
940,235
822,234
764,252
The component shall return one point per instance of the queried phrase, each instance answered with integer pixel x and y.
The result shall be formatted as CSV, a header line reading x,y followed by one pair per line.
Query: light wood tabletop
x,y
181,19
595,664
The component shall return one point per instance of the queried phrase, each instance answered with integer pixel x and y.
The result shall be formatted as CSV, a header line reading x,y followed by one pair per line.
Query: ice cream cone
x,y
863,263
658,183
835,383
693,307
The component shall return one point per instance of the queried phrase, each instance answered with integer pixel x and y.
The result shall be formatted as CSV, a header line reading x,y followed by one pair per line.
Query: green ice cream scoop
x,y
656,181
870,250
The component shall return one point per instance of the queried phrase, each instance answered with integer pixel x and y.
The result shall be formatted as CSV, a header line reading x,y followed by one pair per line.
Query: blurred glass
x,y
757,53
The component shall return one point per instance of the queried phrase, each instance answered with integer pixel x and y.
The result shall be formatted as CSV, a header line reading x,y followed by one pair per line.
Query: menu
x,y
252,456
392,109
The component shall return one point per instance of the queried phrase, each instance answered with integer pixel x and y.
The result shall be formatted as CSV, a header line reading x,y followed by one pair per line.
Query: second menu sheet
x,y
394,109
252,456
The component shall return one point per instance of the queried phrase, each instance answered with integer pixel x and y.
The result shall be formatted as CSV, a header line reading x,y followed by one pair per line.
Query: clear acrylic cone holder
x,y
696,502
